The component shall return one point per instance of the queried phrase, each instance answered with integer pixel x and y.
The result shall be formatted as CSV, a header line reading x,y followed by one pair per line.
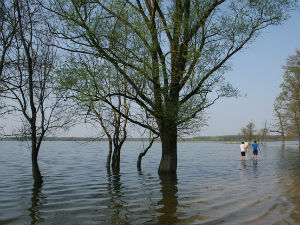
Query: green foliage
x,y
288,101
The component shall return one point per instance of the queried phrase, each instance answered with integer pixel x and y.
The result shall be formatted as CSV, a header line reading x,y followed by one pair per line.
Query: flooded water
x,y
212,186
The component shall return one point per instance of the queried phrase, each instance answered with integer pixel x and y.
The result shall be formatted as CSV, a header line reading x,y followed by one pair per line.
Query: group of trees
x,y
287,103
250,134
153,63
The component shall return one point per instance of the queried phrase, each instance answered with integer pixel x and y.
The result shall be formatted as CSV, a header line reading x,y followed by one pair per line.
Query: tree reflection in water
x,y
114,187
37,200
289,183
169,200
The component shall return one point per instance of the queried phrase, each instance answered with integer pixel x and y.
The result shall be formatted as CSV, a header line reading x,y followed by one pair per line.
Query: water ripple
x,y
212,186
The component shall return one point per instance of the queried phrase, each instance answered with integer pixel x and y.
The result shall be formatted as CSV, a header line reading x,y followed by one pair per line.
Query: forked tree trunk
x,y
168,162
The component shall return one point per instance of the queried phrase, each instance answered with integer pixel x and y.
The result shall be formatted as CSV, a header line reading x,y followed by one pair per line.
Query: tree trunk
x,y
142,154
115,165
299,143
168,162
108,160
282,139
139,161
37,177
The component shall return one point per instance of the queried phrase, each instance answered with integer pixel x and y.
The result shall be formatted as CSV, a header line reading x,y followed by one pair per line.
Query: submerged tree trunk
x,y
115,165
35,147
299,143
168,162
142,154
108,160
282,139
37,177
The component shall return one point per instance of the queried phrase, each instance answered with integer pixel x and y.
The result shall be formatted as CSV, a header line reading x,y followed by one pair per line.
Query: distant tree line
x,y
156,65
227,138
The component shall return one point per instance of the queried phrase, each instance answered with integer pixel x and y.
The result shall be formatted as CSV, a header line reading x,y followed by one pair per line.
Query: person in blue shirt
x,y
255,149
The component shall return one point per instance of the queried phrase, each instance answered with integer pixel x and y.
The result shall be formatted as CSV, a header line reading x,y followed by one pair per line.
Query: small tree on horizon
x,y
262,134
248,132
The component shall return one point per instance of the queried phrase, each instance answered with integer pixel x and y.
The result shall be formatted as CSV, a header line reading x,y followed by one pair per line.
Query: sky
x,y
257,73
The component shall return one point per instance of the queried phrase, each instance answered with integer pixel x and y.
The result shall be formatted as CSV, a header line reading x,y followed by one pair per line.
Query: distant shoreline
x,y
232,139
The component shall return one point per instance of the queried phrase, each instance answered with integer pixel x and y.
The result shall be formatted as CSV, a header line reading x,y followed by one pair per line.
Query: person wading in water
x,y
243,148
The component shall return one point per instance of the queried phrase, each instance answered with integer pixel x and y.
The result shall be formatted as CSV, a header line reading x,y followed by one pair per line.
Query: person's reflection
x,y
243,165
243,170
169,200
118,205
254,167
37,200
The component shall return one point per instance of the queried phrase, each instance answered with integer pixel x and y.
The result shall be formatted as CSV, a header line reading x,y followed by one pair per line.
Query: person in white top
x,y
243,148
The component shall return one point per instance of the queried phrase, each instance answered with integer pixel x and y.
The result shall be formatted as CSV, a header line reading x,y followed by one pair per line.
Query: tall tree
x,y
290,95
175,52
280,119
26,80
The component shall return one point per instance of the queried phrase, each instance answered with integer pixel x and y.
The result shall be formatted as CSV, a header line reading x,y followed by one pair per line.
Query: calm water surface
x,y
212,186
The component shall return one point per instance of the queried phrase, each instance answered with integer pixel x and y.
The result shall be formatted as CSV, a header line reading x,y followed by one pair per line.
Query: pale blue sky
x,y
256,71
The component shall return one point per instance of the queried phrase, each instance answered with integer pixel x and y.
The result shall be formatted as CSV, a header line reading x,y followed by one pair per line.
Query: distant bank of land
x,y
226,138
